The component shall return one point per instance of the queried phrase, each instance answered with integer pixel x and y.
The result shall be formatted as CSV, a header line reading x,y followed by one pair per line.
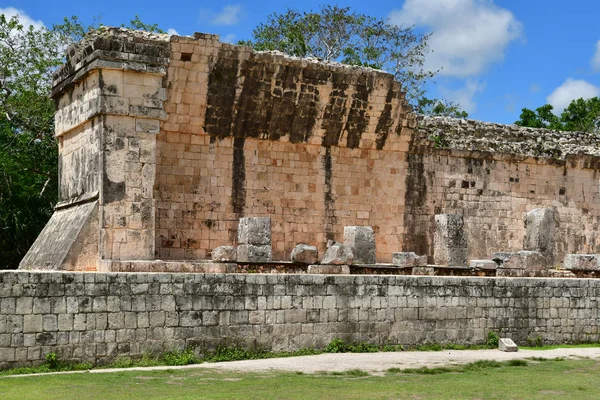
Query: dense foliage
x,y
581,115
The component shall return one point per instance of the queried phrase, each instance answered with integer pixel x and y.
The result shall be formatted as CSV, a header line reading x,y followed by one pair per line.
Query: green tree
x,y
340,34
28,150
437,107
581,115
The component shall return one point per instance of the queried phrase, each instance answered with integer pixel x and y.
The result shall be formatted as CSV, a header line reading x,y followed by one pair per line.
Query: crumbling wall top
x,y
462,134
117,48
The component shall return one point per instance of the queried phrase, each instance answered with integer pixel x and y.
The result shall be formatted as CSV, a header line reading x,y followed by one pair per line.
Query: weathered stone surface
x,y
540,225
63,239
361,239
423,271
404,259
304,254
254,253
421,261
328,269
257,139
66,310
582,262
254,231
483,264
526,260
450,240
512,139
224,254
338,253
506,344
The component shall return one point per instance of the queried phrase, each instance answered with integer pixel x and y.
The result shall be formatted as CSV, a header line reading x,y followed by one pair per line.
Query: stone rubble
x,y
224,254
304,254
338,254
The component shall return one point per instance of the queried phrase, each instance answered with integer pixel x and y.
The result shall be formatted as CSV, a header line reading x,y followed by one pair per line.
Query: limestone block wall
x,y
309,144
494,190
177,138
98,317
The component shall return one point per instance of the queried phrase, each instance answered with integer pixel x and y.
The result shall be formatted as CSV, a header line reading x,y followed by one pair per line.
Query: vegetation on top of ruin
x,y
581,115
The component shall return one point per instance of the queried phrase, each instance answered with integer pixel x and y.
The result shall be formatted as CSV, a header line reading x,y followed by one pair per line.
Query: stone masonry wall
x,y
177,138
309,144
494,190
98,317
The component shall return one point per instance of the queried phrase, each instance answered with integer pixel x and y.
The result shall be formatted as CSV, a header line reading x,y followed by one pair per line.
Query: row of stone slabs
x,y
450,250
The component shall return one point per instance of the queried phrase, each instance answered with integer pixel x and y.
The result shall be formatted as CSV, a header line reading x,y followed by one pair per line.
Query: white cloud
x,y
468,35
595,61
570,90
465,95
24,19
172,31
229,15
228,38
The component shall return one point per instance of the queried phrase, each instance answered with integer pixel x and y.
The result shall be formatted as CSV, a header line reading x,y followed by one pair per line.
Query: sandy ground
x,y
374,363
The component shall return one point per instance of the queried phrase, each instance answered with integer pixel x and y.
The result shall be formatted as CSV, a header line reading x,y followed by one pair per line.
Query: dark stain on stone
x,y
330,219
252,117
358,119
384,124
418,224
282,98
238,194
222,81
209,223
119,144
334,111
113,191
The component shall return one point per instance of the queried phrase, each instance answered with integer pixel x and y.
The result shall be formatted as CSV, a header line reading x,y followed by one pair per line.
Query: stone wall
x,y
178,137
463,167
263,134
98,317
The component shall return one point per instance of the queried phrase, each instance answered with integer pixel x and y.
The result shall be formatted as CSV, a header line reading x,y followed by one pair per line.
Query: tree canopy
x,y
340,34
581,115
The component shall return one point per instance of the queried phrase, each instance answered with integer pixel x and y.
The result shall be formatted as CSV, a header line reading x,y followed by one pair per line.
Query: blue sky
x,y
496,56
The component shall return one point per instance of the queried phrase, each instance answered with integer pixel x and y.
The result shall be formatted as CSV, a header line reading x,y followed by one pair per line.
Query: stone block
x,y
361,239
328,269
338,253
215,268
505,344
582,262
224,254
254,253
404,259
421,261
32,324
525,260
423,271
483,264
450,240
304,254
254,231
539,232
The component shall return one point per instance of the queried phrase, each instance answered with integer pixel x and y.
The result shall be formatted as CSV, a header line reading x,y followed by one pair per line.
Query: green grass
x,y
572,379
560,346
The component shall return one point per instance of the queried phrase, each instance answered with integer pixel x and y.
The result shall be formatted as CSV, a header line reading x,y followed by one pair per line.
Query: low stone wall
x,y
100,316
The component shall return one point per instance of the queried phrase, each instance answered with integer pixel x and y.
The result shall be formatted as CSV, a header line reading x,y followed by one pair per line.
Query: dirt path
x,y
374,363
381,362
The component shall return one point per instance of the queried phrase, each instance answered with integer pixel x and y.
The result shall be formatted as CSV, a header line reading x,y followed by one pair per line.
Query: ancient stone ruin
x,y
200,160
187,154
